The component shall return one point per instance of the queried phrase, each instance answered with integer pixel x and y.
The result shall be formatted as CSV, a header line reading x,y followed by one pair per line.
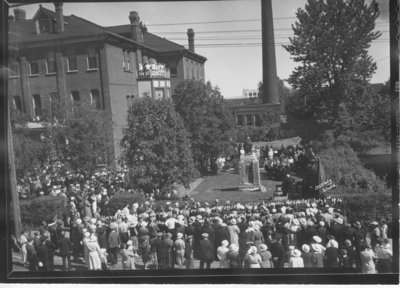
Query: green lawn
x,y
224,186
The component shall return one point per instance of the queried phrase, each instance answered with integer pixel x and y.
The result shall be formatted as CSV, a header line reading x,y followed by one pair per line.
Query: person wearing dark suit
x,y
65,246
43,255
206,252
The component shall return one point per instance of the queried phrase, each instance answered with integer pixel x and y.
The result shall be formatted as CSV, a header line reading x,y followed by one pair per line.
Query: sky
x,y
234,56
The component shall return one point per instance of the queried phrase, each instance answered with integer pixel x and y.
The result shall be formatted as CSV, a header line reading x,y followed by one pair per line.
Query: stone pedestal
x,y
249,173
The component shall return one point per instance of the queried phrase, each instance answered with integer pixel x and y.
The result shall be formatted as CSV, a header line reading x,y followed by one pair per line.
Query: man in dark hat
x,y
65,246
155,250
43,255
31,256
359,241
206,252
277,251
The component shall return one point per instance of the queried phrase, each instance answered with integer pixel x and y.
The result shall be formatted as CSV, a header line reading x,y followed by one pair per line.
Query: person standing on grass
x,y
43,255
206,252
179,246
295,260
128,257
307,256
113,243
94,253
222,254
189,252
65,246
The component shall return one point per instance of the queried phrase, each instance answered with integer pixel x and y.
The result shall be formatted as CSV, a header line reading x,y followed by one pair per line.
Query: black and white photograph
x,y
225,142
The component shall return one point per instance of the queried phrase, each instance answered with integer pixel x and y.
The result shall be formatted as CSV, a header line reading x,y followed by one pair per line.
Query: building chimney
x,y
19,14
190,34
136,31
270,86
59,17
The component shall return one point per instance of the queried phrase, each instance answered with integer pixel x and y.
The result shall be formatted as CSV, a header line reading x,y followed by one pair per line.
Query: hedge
x,y
44,208
119,201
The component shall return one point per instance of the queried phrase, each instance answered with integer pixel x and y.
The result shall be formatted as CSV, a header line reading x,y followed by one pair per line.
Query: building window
x,y
129,100
17,104
126,64
249,120
159,93
239,120
34,67
51,64
71,61
258,120
95,98
168,83
156,83
173,72
92,59
75,96
162,83
37,106
14,69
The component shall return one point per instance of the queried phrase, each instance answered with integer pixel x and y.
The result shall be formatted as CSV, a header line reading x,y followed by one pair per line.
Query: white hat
x,y
338,220
129,243
296,253
225,243
316,248
305,248
317,239
86,234
179,235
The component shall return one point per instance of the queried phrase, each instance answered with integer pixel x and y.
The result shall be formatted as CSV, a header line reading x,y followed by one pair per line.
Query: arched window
x,y
95,98
75,96
17,103
37,105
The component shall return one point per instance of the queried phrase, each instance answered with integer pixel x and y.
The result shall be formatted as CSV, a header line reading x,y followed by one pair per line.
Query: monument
x,y
249,170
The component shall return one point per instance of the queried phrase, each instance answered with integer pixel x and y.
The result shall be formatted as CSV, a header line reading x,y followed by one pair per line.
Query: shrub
x,y
367,206
344,168
33,212
119,201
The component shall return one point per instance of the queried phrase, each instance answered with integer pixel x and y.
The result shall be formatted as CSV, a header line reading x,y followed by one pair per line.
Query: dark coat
x,y
102,237
65,246
43,256
221,233
206,250
332,257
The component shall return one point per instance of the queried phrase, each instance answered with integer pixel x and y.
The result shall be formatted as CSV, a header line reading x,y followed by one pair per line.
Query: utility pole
x,y
12,180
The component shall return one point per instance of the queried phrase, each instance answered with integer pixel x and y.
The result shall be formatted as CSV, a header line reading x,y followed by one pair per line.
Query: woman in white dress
x,y
295,259
222,253
94,253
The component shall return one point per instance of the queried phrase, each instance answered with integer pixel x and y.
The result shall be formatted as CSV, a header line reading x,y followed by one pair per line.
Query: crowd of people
x,y
294,234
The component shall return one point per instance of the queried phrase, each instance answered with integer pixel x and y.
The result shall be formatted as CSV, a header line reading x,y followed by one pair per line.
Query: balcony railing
x,y
154,72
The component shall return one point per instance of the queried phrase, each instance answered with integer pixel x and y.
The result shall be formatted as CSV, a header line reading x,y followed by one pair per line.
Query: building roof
x,y
157,43
243,101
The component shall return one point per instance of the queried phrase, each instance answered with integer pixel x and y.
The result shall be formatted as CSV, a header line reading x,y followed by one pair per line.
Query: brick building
x,y
67,58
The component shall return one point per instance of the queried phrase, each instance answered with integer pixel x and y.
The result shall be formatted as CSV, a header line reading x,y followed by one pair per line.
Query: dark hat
x,y
278,236
331,237
29,239
43,238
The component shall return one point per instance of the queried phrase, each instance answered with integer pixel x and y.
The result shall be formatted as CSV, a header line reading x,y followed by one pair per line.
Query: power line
x,y
230,21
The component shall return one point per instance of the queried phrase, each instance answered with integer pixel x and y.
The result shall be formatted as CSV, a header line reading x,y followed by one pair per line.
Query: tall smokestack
x,y
136,31
59,17
19,14
190,34
270,87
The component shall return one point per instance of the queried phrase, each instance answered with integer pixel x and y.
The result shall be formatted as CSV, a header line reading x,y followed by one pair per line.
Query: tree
x,y
155,145
207,120
331,41
81,136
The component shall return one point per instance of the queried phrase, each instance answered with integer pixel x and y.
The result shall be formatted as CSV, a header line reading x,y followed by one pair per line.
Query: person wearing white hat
x,y
332,254
113,243
295,260
253,259
222,254
308,257
128,257
179,246
93,248
266,257
86,237
318,255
